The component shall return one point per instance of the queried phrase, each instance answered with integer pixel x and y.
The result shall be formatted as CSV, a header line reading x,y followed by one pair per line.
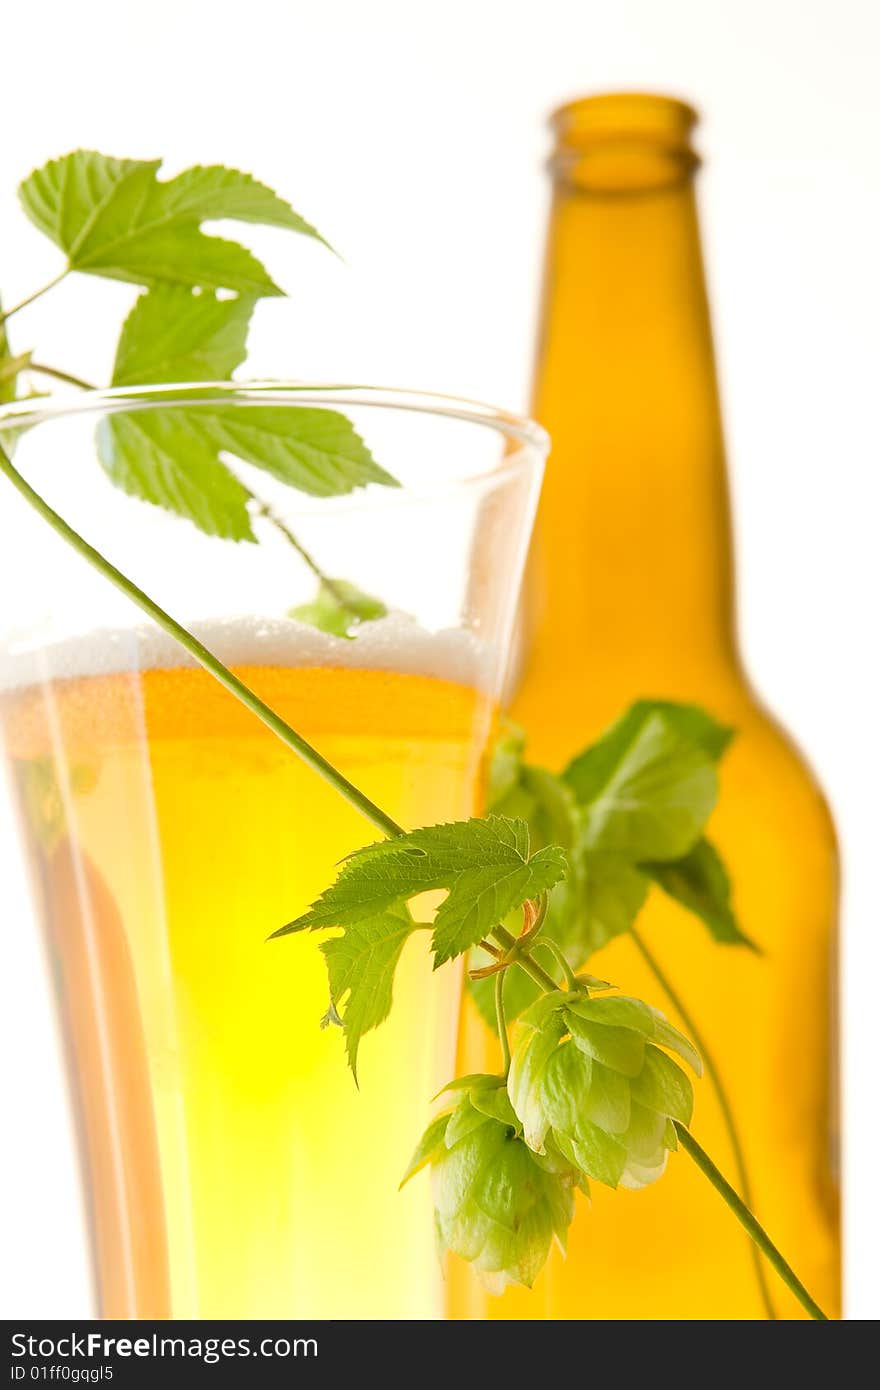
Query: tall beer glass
x,y
232,1168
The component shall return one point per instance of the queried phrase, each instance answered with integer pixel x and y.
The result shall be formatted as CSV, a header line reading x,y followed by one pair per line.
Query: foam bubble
x,y
394,643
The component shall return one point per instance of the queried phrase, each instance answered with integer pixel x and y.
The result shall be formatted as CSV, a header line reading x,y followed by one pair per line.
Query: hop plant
x,y
590,1078
498,1204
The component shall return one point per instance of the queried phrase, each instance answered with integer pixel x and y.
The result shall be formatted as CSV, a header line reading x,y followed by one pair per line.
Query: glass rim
x,y
530,439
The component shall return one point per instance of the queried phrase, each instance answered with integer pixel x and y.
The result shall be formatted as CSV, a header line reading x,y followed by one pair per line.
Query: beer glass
x,y
233,1169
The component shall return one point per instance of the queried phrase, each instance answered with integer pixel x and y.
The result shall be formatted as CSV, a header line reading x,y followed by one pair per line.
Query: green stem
x,y
524,959
501,1020
42,369
268,513
729,1195
262,508
37,294
380,820
560,958
723,1098
201,654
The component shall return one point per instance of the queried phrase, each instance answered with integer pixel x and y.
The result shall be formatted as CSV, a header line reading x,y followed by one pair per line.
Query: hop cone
x,y
497,1203
590,1078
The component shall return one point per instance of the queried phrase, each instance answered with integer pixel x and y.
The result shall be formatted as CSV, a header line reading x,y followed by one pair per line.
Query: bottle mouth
x,y
623,142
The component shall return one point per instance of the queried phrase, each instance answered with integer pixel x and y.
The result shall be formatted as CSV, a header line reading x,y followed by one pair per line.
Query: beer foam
x,y
394,643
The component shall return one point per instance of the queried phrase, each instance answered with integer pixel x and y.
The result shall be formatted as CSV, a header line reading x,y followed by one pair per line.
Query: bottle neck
x,y
633,560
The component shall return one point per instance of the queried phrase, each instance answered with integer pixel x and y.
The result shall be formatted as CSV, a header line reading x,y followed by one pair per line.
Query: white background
x,y
412,133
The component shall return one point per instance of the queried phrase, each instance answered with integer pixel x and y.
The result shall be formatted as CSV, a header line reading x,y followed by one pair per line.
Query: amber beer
x,y
235,1169
631,595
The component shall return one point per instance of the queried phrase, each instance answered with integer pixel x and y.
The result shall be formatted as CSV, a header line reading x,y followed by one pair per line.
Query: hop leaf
x,y
113,217
338,607
590,1077
498,1205
649,784
485,865
173,458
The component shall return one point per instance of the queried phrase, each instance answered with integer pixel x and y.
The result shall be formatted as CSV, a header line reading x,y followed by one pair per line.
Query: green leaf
x,y
160,456
533,794
484,865
339,607
692,722
505,765
113,217
430,1144
9,366
173,334
699,881
172,458
317,451
606,893
361,965
647,788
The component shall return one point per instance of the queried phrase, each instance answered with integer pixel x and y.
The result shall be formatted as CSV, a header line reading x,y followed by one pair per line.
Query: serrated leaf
x,y
483,864
361,965
172,457
428,1146
172,334
646,787
113,217
339,608
159,457
699,881
316,451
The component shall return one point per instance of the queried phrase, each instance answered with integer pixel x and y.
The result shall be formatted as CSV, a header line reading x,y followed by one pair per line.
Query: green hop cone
x,y
590,1078
497,1203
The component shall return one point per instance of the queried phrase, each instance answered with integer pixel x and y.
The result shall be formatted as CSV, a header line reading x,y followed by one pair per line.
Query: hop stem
x,y
724,1104
355,797
729,1195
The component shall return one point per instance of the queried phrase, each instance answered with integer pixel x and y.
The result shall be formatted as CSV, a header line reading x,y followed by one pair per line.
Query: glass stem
x,y
200,653
724,1104
729,1195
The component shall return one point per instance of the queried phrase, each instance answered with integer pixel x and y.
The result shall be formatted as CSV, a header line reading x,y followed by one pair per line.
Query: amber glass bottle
x,y
632,595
